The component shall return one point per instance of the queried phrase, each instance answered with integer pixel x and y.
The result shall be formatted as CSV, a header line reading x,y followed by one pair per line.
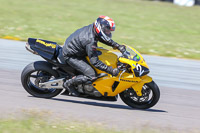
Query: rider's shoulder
x,y
87,33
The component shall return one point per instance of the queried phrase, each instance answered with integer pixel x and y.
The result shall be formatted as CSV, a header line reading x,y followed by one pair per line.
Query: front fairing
x,y
132,57
135,60
135,78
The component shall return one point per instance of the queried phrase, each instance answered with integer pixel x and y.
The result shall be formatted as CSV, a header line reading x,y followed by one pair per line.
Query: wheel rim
x,y
36,77
146,98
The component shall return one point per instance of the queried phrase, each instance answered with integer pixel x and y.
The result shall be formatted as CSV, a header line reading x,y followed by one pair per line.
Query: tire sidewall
x,y
156,97
38,66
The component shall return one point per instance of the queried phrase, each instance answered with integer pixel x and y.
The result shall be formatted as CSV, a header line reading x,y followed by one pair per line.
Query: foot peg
x,y
72,90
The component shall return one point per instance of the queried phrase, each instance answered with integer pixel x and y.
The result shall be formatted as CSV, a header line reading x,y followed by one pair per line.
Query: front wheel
x,y
150,96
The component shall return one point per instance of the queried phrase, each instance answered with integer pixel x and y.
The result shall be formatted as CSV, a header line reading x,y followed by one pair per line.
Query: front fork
x,y
138,87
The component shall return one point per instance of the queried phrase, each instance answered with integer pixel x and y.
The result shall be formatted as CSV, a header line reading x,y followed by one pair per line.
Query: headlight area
x,y
140,70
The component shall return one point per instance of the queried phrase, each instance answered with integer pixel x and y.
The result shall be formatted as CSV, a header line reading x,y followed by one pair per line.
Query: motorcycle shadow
x,y
108,105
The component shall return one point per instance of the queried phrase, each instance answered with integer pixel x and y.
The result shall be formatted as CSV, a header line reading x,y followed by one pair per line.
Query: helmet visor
x,y
107,31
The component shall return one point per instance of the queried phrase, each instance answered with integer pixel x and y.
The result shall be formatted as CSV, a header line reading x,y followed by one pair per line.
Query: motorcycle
x,y
44,79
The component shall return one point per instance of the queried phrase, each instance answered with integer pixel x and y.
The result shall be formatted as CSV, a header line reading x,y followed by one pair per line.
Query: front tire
x,y
38,72
150,96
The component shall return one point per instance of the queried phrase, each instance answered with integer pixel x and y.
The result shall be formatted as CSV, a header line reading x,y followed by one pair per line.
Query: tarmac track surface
x,y
178,108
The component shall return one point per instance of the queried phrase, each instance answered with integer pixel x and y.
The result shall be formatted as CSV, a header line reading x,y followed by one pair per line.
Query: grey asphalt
x,y
178,107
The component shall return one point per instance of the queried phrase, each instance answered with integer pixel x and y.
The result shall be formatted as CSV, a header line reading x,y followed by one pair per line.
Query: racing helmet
x,y
104,28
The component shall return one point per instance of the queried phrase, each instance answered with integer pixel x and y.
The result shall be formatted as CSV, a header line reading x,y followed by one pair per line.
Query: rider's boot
x,y
69,85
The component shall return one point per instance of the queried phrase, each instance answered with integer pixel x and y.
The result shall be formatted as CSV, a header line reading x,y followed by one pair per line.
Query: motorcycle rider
x,y
82,43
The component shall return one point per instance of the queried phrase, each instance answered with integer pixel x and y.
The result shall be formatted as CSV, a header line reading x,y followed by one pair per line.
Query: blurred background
x,y
152,27
184,2
169,28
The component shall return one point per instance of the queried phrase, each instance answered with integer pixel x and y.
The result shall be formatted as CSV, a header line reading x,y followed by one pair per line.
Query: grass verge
x,y
156,28
32,121
35,125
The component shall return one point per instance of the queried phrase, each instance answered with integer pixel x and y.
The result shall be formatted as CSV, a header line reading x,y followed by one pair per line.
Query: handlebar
x,y
125,54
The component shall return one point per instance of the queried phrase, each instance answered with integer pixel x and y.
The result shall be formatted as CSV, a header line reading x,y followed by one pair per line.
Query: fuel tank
x,y
107,57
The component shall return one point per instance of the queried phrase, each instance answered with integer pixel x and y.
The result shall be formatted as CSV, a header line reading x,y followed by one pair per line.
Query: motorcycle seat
x,y
60,57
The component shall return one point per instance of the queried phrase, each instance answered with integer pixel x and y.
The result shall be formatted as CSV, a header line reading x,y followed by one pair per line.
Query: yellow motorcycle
x,y
45,79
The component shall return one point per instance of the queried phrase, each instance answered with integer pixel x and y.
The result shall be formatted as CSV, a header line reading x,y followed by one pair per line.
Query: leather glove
x,y
122,48
113,72
116,46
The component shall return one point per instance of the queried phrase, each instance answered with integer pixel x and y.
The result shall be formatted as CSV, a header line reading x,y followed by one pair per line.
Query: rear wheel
x,y
150,96
39,72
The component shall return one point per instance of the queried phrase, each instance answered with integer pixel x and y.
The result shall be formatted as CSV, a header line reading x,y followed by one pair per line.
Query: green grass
x,y
155,28
41,121
34,125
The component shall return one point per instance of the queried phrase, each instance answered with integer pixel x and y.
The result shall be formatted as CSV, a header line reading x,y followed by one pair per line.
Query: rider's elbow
x,y
94,61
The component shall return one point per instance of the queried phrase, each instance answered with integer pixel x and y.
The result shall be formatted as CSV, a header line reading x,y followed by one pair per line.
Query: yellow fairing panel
x,y
107,57
138,87
127,80
104,85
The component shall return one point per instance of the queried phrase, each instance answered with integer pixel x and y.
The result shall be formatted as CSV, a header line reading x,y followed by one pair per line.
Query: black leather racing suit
x,y
82,43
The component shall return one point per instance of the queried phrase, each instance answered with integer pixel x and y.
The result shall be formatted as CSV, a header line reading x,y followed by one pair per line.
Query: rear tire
x,y
41,71
131,99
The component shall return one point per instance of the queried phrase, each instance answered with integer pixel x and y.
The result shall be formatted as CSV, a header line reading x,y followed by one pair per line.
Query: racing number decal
x,y
139,68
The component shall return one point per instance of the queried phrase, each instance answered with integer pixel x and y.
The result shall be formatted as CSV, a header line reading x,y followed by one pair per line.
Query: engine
x,y
88,89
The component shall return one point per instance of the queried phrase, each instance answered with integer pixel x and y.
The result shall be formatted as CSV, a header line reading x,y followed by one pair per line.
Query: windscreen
x,y
130,54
